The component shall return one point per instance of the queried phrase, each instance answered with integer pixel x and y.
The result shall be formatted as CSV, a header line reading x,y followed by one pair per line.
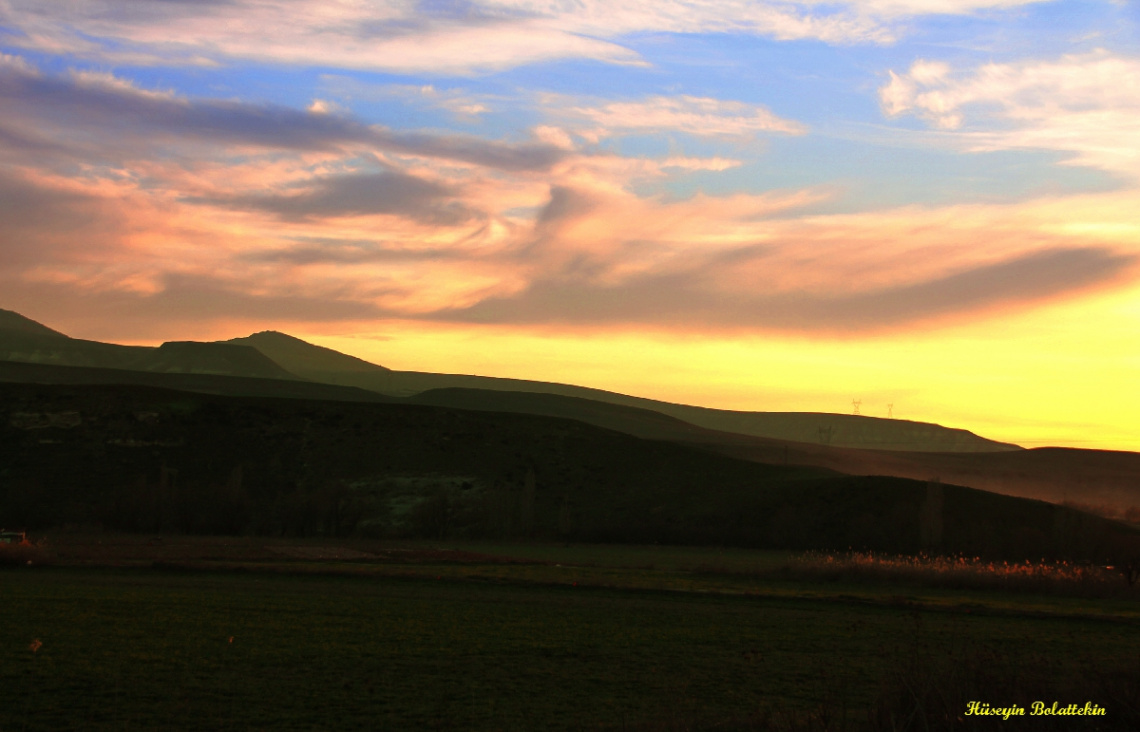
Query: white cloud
x,y
553,136
1085,104
905,8
402,36
687,163
459,102
321,106
702,116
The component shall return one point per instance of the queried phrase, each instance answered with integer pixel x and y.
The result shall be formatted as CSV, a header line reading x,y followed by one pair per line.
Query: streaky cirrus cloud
x,y
1083,104
86,106
688,301
459,102
405,36
701,116
359,194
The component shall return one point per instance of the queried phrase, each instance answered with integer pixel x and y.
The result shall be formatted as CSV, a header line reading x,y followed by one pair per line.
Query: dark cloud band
x,y
362,194
101,107
687,300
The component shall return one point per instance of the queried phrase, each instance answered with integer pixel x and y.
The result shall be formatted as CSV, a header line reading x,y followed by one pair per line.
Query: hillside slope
x,y
313,362
25,341
285,357
1105,481
13,322
140,459
328,366
15,372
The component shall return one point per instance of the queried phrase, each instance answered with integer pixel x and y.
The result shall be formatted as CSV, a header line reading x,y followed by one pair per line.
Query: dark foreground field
x,y
243,634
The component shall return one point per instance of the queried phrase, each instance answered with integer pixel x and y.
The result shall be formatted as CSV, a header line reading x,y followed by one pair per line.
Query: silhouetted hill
x,y
840,430
32,373
305,359
328,366
296,359
140,459
31,347
190,357
643,423
13,322
26,341
1106,481
176,357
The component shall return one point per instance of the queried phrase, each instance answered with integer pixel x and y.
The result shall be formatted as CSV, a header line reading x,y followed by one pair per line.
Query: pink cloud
x,y
399,36
1085,105
209,204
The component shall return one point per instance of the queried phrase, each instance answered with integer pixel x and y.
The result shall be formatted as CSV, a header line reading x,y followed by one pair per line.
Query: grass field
x,y
500,637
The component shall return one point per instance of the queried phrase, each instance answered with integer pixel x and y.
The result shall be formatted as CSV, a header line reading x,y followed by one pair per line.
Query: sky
x,y
927,207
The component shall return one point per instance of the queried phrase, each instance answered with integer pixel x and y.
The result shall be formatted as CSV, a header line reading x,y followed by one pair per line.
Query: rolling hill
x,y
289,358
25,341
270,364
497,394
16,372
134,458
1104,481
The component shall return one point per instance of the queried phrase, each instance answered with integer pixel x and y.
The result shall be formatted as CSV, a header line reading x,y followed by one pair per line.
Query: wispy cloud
x,y
1085,104
452,38
459,102
700,116
151,194
687,301
83,106
359,194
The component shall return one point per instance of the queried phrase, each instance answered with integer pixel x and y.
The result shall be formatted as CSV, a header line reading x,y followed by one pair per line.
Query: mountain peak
x,y
13,322
304,358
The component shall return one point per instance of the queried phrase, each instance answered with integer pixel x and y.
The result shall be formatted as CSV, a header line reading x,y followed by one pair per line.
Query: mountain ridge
x,y
287,358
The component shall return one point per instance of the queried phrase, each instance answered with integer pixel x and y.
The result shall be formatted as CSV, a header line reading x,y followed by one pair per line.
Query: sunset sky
x,y
777,206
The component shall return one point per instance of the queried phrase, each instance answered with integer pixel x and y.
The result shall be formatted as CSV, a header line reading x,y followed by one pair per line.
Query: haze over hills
x,y
1104,481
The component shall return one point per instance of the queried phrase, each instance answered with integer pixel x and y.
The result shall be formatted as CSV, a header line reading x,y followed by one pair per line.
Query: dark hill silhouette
x,y
1107,481
1103,480
142,459
34,347
26,341
35,373
497,394
213,358
301,360
643,423
13,322
316,363
840,430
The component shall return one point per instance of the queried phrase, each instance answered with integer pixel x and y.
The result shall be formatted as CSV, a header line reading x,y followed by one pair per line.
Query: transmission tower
x,y
891,411
856,403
